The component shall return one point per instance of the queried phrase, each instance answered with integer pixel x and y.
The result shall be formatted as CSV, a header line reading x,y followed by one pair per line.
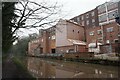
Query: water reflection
x,y
40,68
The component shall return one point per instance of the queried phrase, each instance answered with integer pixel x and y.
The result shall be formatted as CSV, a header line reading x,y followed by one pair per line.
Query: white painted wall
x,y
61,34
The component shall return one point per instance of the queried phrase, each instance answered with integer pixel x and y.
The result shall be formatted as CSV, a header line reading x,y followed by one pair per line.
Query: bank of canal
x,y
50,68
13,68
100,61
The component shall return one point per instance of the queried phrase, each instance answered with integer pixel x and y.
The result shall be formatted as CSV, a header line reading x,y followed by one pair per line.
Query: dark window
x,y
41,50
73,30
71,50
116,41
53,50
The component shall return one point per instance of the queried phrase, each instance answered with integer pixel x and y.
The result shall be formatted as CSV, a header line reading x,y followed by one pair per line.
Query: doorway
x,y
53,50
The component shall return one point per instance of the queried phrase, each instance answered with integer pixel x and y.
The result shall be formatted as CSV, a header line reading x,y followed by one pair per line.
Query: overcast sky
x,y
72,8
77,7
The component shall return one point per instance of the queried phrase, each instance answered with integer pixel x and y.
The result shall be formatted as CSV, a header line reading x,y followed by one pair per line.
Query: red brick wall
x,y
115,48
107,35
111,35
92,38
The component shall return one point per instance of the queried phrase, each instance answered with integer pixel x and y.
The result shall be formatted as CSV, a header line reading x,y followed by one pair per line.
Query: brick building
x,y
100,26
102,14
64,37
107,35
69,37
88,19
97,27
108,11
47,40
111,37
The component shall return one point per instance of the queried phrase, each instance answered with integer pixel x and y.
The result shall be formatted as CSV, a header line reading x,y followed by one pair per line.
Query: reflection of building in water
x,y
54,69
40,69
72,70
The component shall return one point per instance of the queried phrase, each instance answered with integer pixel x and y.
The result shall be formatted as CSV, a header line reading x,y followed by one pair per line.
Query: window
x,y
71,50
110,29
82,23
100,39
107,41
93,13
78,19
49,37
116,40
87,15
99,32
78,31
101,8
111,14
93,24
42,40
102,18
112,6
73,30
72,20
75,20
37,40
91,33
82,17
53,37
93,20
87,22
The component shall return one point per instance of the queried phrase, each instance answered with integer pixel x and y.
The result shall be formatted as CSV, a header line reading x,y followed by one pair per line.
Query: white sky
x,y
77,7
72,8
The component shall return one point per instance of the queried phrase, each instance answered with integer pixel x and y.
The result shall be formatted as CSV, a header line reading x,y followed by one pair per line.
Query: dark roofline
x,y
84,13
74,23
48,28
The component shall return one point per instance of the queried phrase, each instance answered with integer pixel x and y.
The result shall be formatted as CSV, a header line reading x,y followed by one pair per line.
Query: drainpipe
x,y
118,39
106,12
75,47
102,33
110,42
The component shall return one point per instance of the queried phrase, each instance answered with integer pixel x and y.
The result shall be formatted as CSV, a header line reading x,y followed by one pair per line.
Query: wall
x,y
61,34
48,43
83,18
67,30
93,38
111,35
107,12
66,49
75,31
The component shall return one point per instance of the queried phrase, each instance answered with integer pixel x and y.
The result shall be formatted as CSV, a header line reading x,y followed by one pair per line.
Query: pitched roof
x,y
78,42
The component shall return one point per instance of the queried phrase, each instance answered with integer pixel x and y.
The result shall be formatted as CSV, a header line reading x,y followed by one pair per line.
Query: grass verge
x,y
23,70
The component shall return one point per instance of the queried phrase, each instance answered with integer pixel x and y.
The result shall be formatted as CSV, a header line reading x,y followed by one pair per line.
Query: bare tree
x,y
35,14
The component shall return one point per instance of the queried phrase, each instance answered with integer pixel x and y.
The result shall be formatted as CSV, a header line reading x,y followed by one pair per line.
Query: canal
x,y
48,68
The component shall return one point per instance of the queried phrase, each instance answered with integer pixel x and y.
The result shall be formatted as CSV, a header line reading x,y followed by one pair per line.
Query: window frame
x,y
99,32
91,33
110,29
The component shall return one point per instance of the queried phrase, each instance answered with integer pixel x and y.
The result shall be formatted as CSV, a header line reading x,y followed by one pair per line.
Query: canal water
x,y
47,68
